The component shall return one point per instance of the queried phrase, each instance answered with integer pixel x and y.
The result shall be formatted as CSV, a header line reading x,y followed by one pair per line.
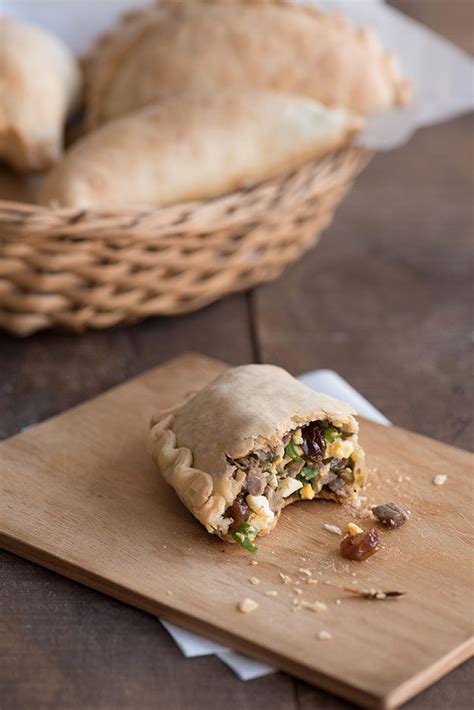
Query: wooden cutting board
x,y
80,496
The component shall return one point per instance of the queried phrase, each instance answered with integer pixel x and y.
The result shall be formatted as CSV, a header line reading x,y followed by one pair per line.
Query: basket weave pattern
x,y
77,269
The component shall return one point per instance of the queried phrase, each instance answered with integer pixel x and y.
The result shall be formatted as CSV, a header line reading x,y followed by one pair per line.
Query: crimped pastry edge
x,y
194,487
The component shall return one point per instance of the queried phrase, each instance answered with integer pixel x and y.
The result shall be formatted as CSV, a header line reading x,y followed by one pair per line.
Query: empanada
x,y
39,84
193,146
189,45
251,442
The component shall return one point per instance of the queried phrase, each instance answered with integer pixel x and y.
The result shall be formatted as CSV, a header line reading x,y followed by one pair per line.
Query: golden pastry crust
x,y
39,85
210,45
206,498
246,409
193,146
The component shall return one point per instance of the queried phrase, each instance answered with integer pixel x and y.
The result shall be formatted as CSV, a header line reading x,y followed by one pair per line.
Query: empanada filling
x,y
317,460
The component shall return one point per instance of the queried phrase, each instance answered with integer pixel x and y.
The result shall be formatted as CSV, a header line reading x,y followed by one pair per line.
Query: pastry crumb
x,y
169,593
324,635
313,606
333,529
285,578
253,563
247,605
298,590
440,479
357,502
312,581
307,572
254,580
353,529
338,602
271,593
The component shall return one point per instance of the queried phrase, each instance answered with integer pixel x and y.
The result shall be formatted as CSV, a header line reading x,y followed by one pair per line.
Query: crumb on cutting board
x,y
254,580
324,635
440,479
333,529
247,605
286,579
353,529
312,606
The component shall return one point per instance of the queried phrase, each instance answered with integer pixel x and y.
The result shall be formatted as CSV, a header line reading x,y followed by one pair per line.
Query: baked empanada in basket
x,y
268,45
194,146
39,85
251,442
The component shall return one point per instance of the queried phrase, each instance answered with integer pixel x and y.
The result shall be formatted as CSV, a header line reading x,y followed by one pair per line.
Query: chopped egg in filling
x,y
340,449
315,460
289,486
261,516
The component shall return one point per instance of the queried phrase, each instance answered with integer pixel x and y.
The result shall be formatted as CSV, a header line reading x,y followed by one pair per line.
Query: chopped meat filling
x,y
256,477
314,460
390,515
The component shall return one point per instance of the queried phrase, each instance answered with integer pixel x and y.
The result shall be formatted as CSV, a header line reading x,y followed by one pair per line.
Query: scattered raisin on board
x,y
390,515
361,546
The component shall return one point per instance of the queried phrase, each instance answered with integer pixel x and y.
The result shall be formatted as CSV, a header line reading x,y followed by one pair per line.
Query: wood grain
x,y
80,496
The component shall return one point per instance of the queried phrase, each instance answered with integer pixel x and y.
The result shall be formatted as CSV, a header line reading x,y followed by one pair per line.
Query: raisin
x,y
390,515
361,546
314,443
239,511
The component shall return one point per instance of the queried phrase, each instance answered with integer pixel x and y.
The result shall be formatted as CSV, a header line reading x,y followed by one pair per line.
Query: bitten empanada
x,y
194,146
267,45
251,442
39,85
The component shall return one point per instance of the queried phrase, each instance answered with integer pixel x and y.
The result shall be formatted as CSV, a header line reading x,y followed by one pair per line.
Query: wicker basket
x,y
78,269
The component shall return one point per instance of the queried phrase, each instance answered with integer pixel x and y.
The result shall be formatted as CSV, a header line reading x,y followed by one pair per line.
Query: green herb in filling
x,y
291,452
244,536
307,473
331,433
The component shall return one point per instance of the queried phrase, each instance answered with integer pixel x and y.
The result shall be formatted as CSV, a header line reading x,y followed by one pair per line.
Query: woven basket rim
x,y
75,269
136,211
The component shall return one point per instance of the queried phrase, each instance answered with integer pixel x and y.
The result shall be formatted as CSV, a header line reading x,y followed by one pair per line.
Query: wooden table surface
x,y
385,300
